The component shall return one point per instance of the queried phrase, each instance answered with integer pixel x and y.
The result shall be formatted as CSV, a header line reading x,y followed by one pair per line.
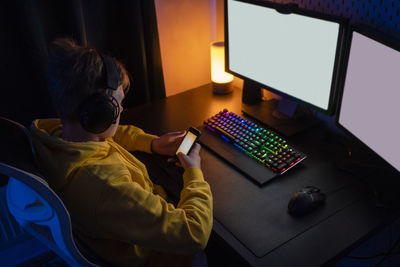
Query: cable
x,y
390,242
389,252
383,255
372,257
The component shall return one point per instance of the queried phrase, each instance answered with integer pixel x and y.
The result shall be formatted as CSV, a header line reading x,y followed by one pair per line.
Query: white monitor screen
x,y
370,104
291,53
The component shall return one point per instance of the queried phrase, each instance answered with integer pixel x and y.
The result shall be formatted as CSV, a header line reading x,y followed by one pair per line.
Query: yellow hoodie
x,y
114,206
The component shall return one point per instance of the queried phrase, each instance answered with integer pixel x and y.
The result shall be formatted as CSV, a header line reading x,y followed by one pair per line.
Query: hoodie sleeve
x,y
128,212
133,138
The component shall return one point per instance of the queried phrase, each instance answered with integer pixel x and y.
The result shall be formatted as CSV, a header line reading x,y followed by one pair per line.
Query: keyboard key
x,y
281,167
290,160
252,145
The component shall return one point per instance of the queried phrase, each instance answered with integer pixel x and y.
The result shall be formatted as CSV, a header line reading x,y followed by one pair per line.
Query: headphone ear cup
x,y
97,113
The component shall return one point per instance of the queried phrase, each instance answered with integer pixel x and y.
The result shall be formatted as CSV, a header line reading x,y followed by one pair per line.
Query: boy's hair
x,y
74,73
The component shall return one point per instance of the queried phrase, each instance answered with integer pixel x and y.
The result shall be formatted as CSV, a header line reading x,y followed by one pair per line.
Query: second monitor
x,y
369,108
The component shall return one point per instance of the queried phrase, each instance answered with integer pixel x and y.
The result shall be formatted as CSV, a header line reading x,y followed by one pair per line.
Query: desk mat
x,y
257,216
236,158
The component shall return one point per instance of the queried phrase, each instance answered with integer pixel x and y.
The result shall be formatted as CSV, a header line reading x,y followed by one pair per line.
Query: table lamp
x,y
222,81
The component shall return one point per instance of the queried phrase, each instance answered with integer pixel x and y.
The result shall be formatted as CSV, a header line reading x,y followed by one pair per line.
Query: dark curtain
x,y
126,30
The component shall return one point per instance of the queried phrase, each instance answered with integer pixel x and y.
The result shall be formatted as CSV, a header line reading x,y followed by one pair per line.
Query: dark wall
x,y
380,15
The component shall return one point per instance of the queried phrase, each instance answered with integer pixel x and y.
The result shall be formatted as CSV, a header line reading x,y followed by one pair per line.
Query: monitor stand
x,y
284,116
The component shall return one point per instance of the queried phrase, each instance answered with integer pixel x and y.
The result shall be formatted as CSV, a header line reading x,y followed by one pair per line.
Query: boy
x,y
115,208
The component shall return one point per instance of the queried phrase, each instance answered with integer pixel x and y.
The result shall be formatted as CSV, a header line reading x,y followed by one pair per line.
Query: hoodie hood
x,y
59,158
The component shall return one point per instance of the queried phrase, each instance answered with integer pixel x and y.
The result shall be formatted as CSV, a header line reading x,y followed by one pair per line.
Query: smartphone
x,y
190,138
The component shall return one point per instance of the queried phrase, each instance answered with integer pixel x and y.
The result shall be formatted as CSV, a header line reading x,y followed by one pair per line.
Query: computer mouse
x,y
305,201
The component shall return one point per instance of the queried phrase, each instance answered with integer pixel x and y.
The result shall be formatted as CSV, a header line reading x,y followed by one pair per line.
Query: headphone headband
x,y
111,72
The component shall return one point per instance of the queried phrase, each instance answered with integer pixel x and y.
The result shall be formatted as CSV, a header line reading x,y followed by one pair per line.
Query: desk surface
x,y
253,220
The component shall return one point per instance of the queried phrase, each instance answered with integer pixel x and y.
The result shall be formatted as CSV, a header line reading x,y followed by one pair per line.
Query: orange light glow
x,y
218,74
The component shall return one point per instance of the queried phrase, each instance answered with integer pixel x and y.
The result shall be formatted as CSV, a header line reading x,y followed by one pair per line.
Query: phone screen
x,y
187,143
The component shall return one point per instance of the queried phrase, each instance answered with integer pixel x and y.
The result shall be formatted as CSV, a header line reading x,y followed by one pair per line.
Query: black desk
x,y
251,220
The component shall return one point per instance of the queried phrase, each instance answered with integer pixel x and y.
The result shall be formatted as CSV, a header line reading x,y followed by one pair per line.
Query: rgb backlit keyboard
x,y
259,143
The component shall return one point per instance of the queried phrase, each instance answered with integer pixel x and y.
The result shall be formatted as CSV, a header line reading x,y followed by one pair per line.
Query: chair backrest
x,y
15,146
35,206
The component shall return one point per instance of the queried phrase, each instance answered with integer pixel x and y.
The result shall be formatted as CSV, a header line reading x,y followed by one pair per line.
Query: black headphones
x,y
98,111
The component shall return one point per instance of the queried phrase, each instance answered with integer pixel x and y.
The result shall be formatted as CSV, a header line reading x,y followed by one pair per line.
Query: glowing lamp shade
x,y
222,81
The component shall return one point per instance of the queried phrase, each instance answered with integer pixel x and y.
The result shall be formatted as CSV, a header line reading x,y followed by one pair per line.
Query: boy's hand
x,y
192,159
167,144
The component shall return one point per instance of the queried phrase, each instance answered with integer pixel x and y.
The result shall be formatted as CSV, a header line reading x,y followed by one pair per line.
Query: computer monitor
x,y
369,107
292,52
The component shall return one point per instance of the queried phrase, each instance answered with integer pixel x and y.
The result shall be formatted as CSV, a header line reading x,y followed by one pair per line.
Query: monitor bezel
x,y
380,38
294,9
